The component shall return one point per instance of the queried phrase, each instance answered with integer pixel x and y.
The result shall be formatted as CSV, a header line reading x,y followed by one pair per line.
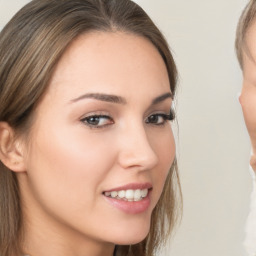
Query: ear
x,y
11,153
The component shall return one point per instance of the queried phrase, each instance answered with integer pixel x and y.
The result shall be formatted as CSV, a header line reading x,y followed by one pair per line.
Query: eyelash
x,y
165,117
96,119
93,121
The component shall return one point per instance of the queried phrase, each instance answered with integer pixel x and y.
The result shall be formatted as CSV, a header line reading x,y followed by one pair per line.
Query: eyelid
x,y
170,114
153,119
100,115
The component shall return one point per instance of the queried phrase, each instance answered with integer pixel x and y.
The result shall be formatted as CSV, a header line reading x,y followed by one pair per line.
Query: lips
x,y
132,198
128,195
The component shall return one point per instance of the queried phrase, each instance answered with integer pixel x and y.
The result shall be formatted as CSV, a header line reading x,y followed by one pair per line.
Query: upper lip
x,y
132,186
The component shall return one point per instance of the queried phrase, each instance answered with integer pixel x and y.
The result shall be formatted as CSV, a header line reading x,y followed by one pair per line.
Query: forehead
x,y
105,57
111,45
120,64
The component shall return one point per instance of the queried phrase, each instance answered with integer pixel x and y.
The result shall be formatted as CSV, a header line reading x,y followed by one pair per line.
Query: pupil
x,y
94,120
153,119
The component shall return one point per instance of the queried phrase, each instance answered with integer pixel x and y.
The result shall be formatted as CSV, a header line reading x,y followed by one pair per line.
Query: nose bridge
x,y
136,149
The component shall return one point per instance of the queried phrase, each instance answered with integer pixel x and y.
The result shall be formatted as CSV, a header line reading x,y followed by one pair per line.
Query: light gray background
x,y
213,147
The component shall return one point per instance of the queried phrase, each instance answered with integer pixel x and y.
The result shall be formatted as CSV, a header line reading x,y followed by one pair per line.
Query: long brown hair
x,y
31,45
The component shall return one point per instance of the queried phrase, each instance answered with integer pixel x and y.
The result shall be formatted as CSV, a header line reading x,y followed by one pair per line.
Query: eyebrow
x,y
102,97
162,98
118,99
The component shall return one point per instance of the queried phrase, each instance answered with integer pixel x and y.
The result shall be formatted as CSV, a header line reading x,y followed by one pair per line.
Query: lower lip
x,y
134,207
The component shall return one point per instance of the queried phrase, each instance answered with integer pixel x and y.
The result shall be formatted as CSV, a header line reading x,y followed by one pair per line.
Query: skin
x,y
248,93
69,163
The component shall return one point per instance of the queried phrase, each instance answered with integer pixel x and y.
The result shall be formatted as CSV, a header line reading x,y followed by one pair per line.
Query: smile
x,y
128,195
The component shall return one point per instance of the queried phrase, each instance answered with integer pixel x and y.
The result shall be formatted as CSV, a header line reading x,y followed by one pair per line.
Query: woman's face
x,y
101,144
248,94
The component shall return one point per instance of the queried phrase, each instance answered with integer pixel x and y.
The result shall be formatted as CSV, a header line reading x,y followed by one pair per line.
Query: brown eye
x,y
157,119
97,121
94,120
154,119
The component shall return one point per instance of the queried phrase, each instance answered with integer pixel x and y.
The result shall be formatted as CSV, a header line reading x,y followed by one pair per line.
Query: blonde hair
x,y
246,20
31,45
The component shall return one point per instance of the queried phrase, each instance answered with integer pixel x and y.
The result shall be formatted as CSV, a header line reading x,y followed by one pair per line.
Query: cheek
x,y
68,165
164,147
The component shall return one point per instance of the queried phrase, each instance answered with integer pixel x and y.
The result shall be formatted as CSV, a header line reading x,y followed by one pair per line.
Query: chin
x,y
132,236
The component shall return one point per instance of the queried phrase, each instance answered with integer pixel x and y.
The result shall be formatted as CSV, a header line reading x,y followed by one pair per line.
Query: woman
x,y
245,49
87,151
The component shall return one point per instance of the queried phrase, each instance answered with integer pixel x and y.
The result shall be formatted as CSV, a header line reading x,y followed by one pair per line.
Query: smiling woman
x,y
86,145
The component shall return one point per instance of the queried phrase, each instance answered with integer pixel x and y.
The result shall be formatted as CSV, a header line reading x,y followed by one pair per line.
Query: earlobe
x,y
11,154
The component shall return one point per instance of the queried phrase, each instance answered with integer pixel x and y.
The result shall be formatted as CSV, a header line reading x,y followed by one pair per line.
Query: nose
x,y
253,162
241,98
135,150
242,95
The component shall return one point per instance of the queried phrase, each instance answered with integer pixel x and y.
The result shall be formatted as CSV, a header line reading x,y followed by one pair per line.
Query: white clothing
x,y
250,228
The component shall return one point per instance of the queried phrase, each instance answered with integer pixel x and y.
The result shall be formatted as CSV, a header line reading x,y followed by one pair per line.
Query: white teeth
x,y
144,193
107,193
129,195
121,194
113,194
137,194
